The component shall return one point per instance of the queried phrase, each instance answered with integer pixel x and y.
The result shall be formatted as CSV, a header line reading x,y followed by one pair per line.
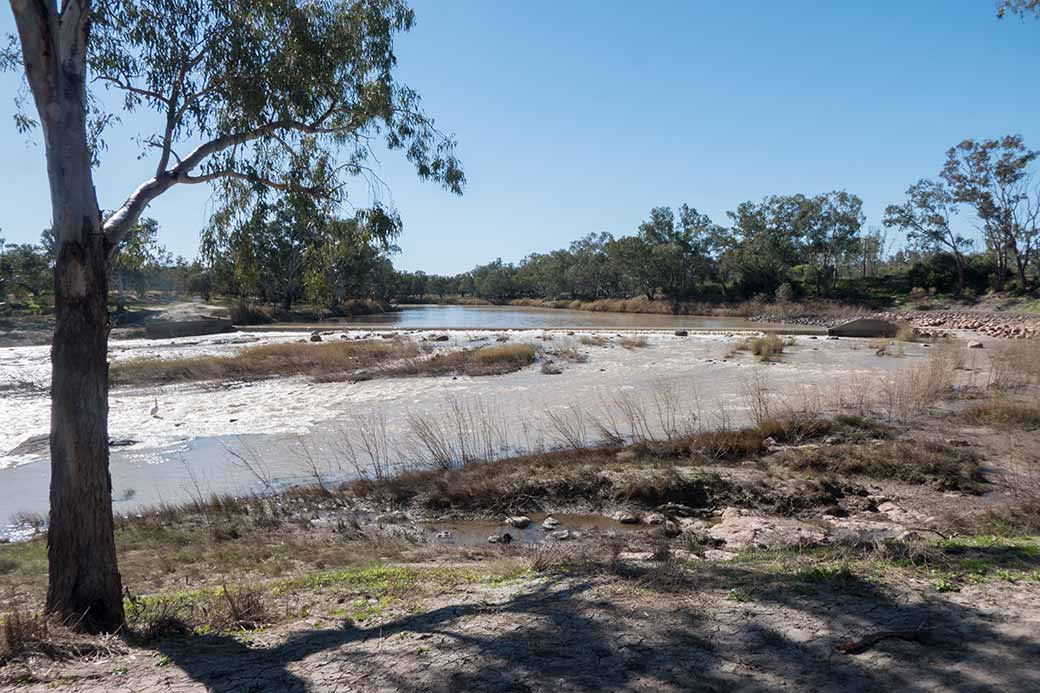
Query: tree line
x,y
791,246
785,247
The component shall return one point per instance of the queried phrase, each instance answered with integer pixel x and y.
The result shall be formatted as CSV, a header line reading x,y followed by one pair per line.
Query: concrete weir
x,y
865,327
168,329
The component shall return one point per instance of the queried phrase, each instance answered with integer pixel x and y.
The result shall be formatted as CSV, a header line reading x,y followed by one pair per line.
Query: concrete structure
x,y
168,329
865,327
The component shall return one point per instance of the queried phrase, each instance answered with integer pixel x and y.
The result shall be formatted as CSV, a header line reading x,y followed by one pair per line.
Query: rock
x,y
315,336
653,519
550,523
33,445
439,338
121,442
957,443
975,345
690,525
625,518
680,510
743,529
856,530
635,555
388,335
502,338
560,535
518,521
671,529
834,440
682,333
505,538
719,555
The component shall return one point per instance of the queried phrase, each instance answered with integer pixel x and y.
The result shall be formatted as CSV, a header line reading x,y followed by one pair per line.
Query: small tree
x,y
252,97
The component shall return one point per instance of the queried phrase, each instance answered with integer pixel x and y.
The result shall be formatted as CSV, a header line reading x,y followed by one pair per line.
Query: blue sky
x,y
577,117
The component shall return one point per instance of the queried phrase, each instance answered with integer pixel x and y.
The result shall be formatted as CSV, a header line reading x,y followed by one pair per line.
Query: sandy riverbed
x,y
183,448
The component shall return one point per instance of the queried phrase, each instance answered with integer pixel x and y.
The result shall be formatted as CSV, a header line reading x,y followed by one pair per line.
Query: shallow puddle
x,y
477,532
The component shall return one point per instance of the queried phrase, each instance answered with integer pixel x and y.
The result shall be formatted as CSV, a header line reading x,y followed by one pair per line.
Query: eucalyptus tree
x,y
140,253
995,177
1019,7
926,217
237,90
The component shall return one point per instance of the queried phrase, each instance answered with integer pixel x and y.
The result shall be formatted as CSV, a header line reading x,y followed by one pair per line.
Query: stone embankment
x,y
1004,325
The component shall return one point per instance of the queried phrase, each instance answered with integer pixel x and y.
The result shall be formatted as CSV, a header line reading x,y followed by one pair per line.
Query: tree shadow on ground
x,y
590,632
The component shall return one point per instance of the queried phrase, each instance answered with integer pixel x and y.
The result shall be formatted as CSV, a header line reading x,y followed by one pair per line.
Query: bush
x,y
785,293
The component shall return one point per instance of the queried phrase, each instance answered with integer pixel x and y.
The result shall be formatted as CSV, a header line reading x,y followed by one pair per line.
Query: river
x,y
451,317
287,426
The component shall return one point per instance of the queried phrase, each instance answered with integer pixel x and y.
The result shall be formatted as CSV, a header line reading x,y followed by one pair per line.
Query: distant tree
x,y
139,253
495,281
633,258
830,234
342,263
765,243
995,178
24,269
925,218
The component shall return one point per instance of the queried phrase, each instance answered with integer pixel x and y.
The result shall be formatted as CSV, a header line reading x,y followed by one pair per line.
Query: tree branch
x,y
118,225
126,86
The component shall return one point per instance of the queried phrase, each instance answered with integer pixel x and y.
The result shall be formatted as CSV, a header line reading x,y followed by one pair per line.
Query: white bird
x,y
155,409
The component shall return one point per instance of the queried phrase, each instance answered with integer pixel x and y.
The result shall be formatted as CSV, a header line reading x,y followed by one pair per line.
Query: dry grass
x,y
326,362
220,610
1004,413
326,359
912,391
1015,364
594,340
636,342
765,348
26,636
913,461
489,360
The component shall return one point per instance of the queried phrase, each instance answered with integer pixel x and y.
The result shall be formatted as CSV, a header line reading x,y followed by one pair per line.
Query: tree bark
x,y
84,586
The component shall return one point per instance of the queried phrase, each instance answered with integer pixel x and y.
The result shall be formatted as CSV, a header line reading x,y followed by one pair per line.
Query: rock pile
x,y
1006,326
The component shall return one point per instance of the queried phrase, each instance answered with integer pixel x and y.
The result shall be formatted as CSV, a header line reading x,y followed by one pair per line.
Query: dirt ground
x,y
589,632
852,553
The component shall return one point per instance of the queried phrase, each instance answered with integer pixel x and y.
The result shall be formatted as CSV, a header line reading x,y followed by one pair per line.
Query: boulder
x,y
975,345
742,529
550,523
519,521
625,517
653,519
315,336
682,333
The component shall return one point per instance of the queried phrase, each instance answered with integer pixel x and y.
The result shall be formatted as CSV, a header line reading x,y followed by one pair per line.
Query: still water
x,y
513,317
